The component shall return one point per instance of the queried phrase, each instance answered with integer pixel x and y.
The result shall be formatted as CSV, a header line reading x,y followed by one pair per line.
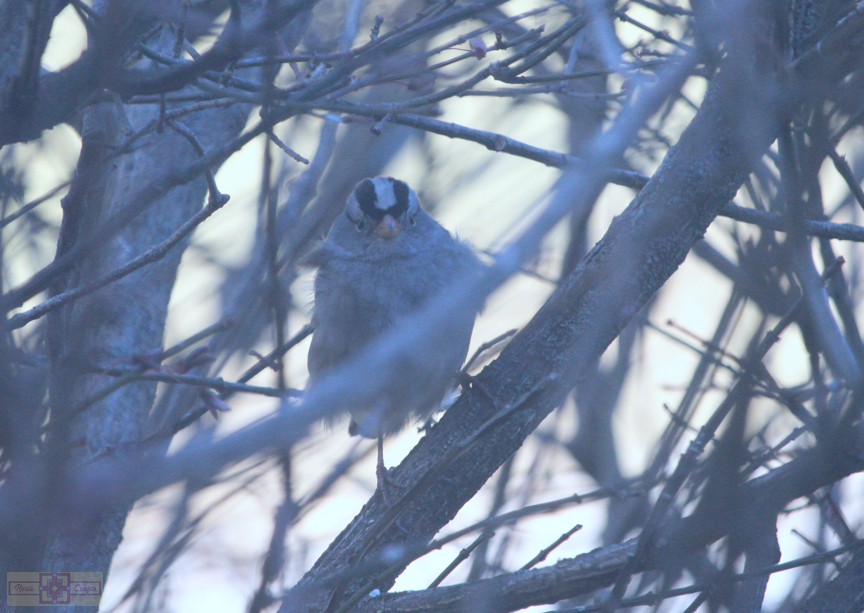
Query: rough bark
x,y
126,319
843,594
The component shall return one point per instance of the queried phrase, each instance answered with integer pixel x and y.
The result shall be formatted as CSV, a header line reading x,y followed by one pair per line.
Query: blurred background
x,y
485,198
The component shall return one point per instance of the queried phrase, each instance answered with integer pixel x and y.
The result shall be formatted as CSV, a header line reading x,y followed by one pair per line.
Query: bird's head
x,y
382,206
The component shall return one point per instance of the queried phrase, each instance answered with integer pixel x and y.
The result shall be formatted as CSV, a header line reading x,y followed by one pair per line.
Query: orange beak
x,y
389,227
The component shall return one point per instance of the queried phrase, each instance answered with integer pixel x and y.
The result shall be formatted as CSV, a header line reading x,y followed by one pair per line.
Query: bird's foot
x,y
385,481
427,425
386,485
470,382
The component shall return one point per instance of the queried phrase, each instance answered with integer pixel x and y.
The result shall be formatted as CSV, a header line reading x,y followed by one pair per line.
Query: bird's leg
x,y
381,472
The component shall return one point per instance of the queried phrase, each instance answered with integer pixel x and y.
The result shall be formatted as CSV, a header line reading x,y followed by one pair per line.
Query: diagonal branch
x,y
739,118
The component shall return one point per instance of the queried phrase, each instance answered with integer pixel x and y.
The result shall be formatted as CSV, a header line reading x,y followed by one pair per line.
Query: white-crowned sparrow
x,y
386,258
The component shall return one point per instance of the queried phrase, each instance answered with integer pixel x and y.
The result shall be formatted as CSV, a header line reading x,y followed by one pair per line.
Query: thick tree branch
x,y
584,574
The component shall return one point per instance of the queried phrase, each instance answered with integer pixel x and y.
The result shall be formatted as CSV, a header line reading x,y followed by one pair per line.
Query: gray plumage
x,y
386,258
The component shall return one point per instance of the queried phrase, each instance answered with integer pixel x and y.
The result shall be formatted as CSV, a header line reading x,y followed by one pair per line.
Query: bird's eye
x,y
360,225
412,221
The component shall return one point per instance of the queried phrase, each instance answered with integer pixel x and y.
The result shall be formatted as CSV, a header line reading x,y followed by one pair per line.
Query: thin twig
x,y
463,555
219,326
291,153
842,167
773,221
545,552
655,33
487,346
215,383
154,254
505,144
276,354
33,204
138,203
689,459
189,135
490,523
651,598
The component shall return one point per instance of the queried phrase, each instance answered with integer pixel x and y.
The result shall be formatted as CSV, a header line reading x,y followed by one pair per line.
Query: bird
x,y
384,259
